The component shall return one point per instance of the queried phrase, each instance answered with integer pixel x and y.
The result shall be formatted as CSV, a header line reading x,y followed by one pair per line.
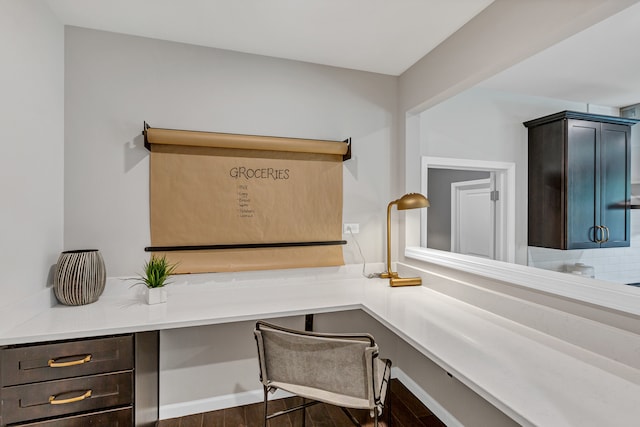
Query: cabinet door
x,y
615,184
583,184
546,185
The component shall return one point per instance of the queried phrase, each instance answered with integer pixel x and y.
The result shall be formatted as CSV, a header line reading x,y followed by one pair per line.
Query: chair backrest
x,y
337,363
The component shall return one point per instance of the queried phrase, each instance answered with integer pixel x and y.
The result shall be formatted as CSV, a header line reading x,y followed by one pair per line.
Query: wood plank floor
x,y
406,411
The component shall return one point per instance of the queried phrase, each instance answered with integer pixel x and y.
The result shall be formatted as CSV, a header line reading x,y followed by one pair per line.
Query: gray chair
x,y
338,369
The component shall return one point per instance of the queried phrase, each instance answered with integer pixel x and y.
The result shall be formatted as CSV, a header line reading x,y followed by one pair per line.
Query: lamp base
x,y
397,281
402,281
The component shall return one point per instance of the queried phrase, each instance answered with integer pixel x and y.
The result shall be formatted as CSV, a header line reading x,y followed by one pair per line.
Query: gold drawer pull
x,y
53,364
54,401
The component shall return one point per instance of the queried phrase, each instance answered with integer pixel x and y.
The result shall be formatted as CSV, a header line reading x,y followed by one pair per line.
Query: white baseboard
x,y
424,397
182,409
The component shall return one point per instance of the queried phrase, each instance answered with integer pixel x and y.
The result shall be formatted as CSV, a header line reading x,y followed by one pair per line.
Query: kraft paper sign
x,y
226,196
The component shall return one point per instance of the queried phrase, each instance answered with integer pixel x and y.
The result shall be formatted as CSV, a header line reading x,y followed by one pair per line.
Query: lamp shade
x,y
412,201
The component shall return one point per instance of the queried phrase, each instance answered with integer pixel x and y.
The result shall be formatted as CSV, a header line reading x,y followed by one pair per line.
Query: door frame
x,y
505,182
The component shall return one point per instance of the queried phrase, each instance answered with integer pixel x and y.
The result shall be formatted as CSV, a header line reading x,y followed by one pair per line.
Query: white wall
x,y
32,140
210,367
115,82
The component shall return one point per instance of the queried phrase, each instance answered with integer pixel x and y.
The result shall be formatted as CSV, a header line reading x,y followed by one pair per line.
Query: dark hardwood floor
x,y
406,411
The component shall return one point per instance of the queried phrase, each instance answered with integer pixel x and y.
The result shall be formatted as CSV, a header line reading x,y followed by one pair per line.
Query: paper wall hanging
x,y
228,202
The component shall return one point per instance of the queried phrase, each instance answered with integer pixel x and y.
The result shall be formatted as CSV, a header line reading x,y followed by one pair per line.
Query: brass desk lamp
x,y
408,201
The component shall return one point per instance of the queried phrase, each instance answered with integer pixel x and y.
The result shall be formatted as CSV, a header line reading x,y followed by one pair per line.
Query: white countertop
x,y
532,377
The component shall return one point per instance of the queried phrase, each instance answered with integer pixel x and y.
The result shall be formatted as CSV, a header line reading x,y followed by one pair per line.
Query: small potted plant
x,y
156,272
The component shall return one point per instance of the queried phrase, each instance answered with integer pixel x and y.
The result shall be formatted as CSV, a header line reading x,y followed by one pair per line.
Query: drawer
x,y
62,397
111,418
44,362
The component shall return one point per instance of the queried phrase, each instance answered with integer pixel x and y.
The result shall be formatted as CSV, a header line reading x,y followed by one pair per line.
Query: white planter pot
x,y
156,295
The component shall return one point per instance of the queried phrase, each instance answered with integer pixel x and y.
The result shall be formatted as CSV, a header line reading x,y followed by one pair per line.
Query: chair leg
x,y
304,413
265,405
387,404
351,417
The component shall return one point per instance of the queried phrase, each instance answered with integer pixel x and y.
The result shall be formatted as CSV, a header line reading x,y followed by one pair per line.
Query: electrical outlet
x,y
351,228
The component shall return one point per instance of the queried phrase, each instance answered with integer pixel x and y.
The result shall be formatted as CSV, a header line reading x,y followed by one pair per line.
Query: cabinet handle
x,y
608,235
595,234
53,400
53,364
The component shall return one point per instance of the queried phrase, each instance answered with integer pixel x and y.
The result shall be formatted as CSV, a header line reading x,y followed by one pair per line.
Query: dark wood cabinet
x,y
106,381
579,181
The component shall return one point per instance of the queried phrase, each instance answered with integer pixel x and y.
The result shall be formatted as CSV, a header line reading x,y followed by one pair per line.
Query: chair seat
x,y
322,395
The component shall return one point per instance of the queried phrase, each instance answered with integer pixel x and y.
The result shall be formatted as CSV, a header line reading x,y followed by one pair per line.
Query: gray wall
x,y
115,82
439,193
473,54
32,139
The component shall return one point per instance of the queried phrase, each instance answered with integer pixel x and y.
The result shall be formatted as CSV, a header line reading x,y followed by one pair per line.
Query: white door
x,y
473,218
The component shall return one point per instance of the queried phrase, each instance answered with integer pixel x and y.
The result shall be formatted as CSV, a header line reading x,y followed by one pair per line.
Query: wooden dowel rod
x,y
247,142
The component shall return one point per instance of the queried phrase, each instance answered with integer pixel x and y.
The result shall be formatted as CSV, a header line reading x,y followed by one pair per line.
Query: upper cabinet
x,y
579,181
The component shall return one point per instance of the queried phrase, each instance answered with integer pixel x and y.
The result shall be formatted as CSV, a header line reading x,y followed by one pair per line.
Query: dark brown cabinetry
x,y
579,181
81,382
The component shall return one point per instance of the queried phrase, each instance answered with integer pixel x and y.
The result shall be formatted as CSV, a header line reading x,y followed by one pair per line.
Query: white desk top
x,y
534,378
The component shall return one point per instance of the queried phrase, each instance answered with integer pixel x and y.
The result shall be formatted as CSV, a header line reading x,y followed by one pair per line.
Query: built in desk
x,y
534,378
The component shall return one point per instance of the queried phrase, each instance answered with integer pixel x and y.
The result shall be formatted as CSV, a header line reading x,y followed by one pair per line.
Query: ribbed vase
x,y
80,277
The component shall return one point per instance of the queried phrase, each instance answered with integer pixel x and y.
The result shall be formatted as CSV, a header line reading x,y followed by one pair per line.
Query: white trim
x,y
426,399
505,210
606,294
182,409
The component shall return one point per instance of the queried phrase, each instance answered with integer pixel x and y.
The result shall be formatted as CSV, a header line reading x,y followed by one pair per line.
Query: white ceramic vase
x,y
156,295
